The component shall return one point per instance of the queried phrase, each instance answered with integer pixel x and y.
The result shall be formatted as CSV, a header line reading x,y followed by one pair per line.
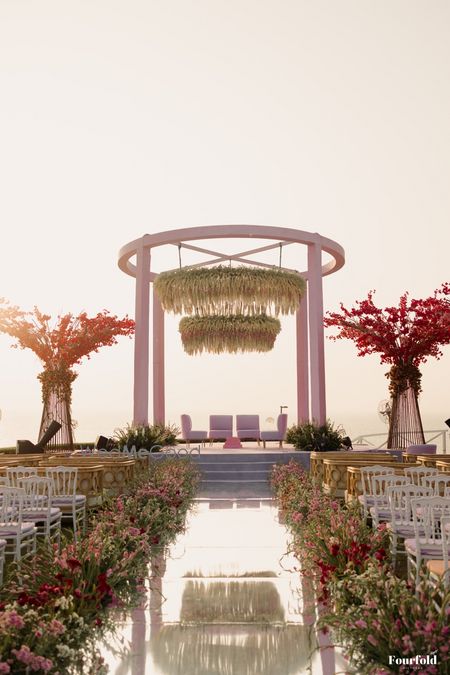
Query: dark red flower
x,y
334,549
73,563
380,554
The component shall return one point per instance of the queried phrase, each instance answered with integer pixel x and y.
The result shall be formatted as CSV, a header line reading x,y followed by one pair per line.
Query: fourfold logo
x,y
418,660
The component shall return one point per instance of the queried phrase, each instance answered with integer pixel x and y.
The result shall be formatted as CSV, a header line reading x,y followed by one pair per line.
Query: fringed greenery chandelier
x,y
226,291
231,333
231,309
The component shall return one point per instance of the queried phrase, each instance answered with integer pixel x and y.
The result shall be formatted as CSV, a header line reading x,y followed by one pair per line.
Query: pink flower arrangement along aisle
x,y
378,618
59,348
404,336
56,606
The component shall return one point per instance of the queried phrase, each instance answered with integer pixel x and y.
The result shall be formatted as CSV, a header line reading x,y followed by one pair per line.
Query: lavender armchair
x,y
188,434
278,435
247,427
220,427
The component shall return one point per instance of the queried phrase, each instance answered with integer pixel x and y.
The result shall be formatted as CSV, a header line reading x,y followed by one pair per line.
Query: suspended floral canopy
x,y
232,333
228,291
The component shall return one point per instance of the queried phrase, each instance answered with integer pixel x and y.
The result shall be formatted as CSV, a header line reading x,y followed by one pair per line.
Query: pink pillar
x,y
141,338
316,334
138,630
302,362
158,362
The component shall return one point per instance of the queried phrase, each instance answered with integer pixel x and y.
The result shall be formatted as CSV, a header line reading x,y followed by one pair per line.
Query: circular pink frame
x,y
311,404
282,235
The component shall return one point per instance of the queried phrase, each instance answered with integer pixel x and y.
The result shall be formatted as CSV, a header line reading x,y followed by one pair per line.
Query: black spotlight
x,y
447,422
347,443
101,443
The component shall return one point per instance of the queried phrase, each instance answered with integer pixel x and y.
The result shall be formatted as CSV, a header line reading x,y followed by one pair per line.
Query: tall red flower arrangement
x,y
404,337
60,347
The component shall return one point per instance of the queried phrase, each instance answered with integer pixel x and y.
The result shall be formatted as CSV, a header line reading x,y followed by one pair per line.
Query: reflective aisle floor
x,y
226,601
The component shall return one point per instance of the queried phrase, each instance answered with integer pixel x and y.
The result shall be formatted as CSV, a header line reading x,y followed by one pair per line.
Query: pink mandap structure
x,y
311,403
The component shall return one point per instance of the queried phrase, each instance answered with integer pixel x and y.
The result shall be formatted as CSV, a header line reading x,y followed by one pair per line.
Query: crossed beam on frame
x,y
238,257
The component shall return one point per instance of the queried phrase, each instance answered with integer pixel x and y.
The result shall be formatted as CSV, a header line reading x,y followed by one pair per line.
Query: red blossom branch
x,y
69,340
407,334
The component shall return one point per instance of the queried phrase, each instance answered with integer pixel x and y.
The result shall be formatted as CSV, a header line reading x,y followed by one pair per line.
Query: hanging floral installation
x,y
231,308
59,348
235,333
230,290
404,337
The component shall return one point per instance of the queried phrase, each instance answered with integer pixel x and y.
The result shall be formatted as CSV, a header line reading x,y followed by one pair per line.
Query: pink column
x,y
302,362
141,338
316,334
158,362
138,630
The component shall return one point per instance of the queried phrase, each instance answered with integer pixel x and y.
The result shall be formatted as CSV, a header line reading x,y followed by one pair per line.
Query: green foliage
x,y
54,607
146,436
371,613
310,436
378,617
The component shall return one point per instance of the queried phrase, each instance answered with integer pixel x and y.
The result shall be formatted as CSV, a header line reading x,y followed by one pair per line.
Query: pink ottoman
x,y
232,443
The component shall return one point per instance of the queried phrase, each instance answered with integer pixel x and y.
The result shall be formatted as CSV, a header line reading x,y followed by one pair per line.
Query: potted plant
x,y
314,437
150,437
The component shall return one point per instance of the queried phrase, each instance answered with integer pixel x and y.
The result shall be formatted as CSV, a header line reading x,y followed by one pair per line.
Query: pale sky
x,y
119,119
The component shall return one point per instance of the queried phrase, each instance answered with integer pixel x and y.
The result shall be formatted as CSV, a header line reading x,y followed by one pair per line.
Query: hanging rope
x,y
179,255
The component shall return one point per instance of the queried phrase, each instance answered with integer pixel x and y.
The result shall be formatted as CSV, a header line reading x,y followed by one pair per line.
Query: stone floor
x,y
228,600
